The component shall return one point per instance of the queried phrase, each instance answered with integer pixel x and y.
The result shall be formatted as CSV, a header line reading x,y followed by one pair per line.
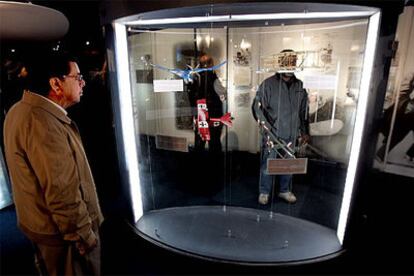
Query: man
x,y
209,87
54,192
281,102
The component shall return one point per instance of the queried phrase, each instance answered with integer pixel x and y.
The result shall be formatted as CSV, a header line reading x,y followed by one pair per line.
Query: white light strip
x,y
369,56
124,90
251,17
301,15
182,20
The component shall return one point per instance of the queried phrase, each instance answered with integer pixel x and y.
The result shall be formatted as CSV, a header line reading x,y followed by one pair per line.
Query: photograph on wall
x,y
243,55
242,76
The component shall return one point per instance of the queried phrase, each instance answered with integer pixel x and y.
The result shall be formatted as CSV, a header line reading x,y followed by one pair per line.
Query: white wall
x,y
156,111
347,39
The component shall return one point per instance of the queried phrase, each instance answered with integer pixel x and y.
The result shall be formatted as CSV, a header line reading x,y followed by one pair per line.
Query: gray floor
x,y
236,234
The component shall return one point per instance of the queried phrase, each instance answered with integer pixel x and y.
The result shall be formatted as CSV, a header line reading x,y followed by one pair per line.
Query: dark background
x,y
382,239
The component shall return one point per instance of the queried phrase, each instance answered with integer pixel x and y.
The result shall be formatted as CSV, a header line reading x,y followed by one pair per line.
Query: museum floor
x,y
382,246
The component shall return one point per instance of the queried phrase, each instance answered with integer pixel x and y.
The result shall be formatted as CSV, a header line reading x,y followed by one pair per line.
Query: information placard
x,y
168,86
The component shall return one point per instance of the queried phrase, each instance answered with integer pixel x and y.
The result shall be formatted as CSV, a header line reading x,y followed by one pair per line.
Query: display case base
x,y
239,235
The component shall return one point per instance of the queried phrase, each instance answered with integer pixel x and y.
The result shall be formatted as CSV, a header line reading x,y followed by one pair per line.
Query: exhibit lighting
x,y
199,39
301,15
360,122
251,17
354,48
181,20
125,99
244,44
208,40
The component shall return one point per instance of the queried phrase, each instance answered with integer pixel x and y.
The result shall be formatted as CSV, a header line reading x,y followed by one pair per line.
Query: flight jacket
x,y
284,107
53,188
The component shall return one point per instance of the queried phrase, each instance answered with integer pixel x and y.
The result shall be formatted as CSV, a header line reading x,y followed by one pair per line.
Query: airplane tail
x,y
226,119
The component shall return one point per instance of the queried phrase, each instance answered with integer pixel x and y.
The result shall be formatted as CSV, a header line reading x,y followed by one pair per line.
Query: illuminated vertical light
x,y
359,123
127,122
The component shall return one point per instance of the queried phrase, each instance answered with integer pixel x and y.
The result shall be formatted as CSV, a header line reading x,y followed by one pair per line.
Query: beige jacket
x,y
53,187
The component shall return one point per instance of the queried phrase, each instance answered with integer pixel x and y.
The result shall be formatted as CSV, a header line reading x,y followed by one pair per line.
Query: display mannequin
x,y
207,86
281,103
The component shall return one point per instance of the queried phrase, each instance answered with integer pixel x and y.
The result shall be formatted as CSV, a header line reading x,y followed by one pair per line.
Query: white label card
x,y
319,82
168,86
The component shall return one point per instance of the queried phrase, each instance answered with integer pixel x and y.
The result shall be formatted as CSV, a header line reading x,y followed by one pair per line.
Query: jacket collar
x,y
279,77
41,102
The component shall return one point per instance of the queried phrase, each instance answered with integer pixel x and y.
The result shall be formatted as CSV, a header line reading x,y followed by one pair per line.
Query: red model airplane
x,y
203,121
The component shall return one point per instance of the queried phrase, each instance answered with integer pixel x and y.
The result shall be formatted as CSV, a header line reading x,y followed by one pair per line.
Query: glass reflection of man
x,y
404,121
282,103
208,86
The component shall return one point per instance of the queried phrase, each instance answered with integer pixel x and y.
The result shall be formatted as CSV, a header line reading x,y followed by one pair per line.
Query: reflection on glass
x,y
222,110
5,197
328,60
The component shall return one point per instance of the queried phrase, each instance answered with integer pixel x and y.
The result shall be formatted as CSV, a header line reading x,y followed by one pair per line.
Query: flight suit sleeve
x,y
219,89
260,106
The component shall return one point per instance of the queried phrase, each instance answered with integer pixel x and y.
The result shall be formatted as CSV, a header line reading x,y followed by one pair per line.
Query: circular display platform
x,y
240,235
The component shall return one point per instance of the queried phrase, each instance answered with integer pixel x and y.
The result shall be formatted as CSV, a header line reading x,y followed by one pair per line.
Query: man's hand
x,y
84,248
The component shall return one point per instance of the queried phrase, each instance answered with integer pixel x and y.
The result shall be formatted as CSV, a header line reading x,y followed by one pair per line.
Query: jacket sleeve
x,y
259,104
219,89
304,114
52,158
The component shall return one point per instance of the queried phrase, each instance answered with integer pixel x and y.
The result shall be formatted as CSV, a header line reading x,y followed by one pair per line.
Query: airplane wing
x,y
181,73
219,65
198,70
164,68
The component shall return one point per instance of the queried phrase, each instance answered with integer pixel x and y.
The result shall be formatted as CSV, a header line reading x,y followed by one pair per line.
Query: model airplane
x,y
186,74
295,61
203,121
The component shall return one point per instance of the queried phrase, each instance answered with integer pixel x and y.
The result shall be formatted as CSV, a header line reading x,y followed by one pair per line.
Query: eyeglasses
x,y
78,77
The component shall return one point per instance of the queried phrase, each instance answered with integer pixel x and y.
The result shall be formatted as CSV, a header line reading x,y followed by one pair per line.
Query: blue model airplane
x,y
187,74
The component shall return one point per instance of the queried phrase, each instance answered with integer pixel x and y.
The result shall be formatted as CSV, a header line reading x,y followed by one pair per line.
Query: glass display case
x,y
5,196
212,101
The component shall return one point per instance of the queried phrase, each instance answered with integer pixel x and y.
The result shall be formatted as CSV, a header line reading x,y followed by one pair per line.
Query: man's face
x,y
72,85
206,61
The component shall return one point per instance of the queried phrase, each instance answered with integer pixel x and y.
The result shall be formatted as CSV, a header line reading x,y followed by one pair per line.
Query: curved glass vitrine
x,y
203,90
5,196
